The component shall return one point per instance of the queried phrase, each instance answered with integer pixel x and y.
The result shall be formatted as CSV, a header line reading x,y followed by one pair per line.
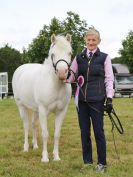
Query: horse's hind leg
x,y
24,115
34,129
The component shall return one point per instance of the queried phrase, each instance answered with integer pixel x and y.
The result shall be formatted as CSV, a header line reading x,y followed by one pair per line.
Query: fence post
x,y
0,90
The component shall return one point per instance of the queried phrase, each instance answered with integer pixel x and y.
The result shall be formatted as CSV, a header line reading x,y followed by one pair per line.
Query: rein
x,y
115,121
118,126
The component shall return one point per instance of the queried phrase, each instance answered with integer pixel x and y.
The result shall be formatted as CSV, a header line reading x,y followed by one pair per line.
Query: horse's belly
x,y
26,100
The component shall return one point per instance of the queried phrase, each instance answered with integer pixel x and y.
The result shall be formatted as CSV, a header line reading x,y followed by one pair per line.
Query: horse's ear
x,y
68,37
53,38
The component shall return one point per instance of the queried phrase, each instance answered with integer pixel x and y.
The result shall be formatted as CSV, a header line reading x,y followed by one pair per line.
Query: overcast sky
x,y
21,20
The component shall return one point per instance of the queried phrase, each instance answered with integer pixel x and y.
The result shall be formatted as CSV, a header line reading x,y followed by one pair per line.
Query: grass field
x,y
15,163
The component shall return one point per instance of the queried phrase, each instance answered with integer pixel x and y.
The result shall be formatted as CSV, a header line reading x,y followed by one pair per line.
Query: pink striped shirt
x,y
109,77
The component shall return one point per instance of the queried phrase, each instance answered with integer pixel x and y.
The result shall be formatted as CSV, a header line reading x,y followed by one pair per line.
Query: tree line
x,y
37,51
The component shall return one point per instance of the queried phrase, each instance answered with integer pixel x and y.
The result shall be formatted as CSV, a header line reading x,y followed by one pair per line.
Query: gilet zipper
x,y
87,80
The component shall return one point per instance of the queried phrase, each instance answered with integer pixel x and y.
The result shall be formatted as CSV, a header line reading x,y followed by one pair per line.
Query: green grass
x,y
15,163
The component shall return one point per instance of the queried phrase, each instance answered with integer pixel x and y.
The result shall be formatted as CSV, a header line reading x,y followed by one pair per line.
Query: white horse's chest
x,y
56,105
54,98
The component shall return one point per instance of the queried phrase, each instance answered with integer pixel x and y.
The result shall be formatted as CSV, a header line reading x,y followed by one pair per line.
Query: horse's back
x,y
24,69
23,73
23,82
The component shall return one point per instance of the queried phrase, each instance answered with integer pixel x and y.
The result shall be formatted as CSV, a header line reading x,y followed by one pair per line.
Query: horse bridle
x,y
55,64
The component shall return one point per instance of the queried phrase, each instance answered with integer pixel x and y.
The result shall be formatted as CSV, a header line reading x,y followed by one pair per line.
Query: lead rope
x,y
118,127
116,151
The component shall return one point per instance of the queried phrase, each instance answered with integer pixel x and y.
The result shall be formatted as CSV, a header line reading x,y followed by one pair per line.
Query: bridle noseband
x,y
55,64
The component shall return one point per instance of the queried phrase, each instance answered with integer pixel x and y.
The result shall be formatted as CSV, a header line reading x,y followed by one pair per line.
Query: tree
x,y
38,49
117,60
76,28
10,59
127,51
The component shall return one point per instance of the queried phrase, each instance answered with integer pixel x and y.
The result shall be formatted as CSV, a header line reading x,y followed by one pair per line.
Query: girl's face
x,y
92,41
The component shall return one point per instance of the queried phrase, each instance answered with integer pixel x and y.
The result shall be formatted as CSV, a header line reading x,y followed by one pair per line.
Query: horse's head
x,y
60,53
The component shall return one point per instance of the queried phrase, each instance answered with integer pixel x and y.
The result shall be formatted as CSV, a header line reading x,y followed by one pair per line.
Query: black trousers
x,y
86,116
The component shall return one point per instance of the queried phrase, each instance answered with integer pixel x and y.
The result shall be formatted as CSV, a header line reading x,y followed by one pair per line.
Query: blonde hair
x,y
92,30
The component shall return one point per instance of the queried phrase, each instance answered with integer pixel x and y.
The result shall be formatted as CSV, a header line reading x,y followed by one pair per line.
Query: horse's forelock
x,y
62,43
58,49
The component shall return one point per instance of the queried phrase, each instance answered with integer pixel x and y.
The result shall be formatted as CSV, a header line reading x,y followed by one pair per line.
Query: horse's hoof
x,y
45,160
56,159
26,147
25,150
35,147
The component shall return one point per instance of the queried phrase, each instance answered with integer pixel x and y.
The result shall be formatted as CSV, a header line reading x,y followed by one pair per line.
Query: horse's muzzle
x,y
62,73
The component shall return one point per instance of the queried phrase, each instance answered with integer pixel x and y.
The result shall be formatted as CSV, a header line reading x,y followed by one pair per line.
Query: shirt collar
x,y
93,51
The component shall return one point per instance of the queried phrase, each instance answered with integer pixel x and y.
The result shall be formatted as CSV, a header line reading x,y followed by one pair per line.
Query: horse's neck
x,y
48,61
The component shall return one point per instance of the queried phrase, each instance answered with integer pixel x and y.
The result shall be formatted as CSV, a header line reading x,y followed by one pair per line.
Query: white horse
x,y
41,88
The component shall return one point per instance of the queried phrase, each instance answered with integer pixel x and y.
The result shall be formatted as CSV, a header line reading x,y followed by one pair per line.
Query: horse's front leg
x,y
60,115
43,124
34,129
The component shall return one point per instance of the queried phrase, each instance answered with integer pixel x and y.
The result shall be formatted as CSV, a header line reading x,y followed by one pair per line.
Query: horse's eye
x,y
70,53
52,55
